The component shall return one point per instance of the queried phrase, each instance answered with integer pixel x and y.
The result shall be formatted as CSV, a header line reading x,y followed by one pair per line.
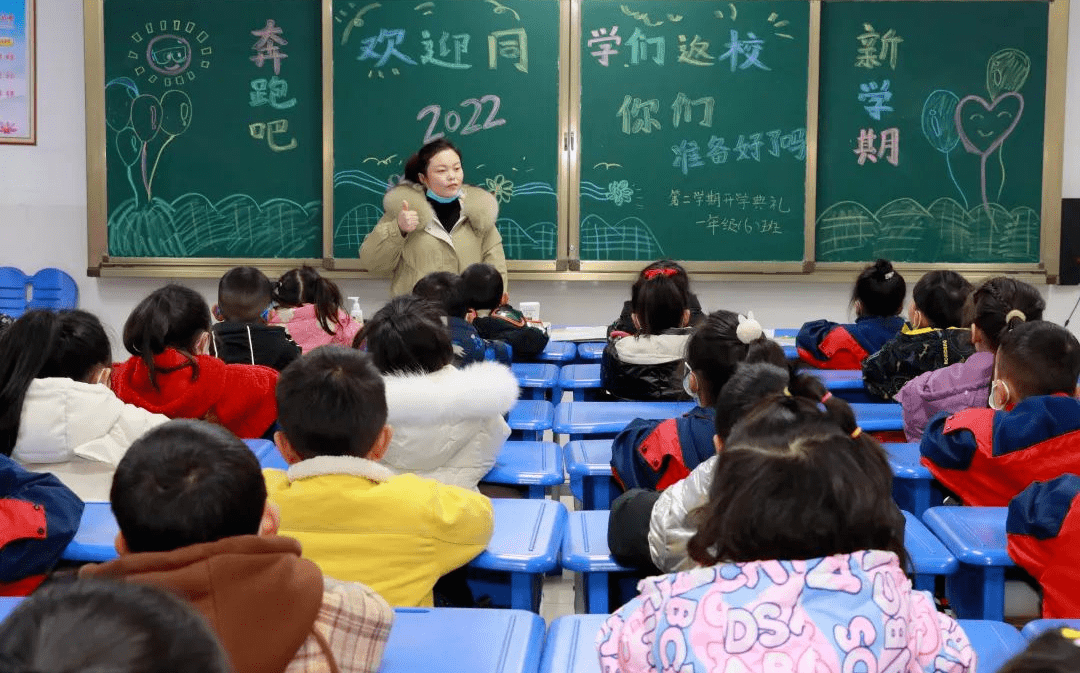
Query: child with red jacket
x,y
1044,538
1031,431
169,372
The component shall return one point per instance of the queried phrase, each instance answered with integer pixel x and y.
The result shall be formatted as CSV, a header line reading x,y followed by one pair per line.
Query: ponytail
x,y
304,285
880,290
171,317
328,301
660,297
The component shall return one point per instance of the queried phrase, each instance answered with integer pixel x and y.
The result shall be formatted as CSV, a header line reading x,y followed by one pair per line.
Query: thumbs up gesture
x,y
407,219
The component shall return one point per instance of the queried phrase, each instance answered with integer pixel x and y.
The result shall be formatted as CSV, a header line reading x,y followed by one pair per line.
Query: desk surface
x,y
878,417
975,534
605,417
588,457
904,461
585,546
527,536
530,415
7,604
928,555
96,535
456,640
994,642
527,463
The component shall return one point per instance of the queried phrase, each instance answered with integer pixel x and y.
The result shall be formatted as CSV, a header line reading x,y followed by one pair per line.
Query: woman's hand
x,y
407,220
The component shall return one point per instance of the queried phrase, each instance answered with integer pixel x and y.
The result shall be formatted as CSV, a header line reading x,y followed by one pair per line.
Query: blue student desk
x,y
529,418
590,351
454,640
532,464
537,379
588,462
94,541
914,488
558,352
524,545
585,551
578,419
1033,630
786,338
883,417
976,536
581,379
267,453
571,644
929,557
846,384
7,604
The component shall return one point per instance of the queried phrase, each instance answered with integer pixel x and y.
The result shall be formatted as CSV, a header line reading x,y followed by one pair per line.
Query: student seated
x,y
801,562
357,519
100,626
448,290
40,516
995,306
496,318
624,324
243,335
448,423
1029,433
169,371
649,364
1044,539
878,298
190,501
312,310
933,339
57,413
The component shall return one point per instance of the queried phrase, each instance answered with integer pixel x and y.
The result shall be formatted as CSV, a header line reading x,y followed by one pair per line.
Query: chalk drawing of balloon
x,y
939,127
145,120
984,125
119,93
175,119
1006,71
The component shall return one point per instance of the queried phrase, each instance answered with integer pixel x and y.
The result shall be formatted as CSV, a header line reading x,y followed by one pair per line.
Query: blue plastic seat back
x,y
13,284
53,288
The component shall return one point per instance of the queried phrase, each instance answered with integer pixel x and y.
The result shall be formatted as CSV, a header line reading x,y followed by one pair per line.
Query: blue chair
x,y
590,351
454,640
48,288
606,419
994,642
8,604
581,379
539,380
914,488
879,417
524,546
558,352
571,645
532,464
585,551
1033,630
846,384
94,541
529,418
976,536
786,338
588,462
267,453
929,558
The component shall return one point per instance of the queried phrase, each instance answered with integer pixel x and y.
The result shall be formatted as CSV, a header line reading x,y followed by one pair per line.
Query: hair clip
x,y
889,276
826,397
856,433
663,271
787,393
1015,313
1071,634
749,330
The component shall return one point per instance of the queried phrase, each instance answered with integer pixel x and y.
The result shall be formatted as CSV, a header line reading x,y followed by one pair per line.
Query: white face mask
x,y
686,387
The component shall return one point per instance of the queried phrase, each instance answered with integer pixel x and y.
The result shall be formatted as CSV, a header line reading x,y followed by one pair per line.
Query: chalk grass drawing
x,y
534,241
903,230
628,239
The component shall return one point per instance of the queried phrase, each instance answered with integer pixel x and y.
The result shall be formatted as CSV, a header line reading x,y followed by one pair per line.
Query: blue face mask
x,y
442,199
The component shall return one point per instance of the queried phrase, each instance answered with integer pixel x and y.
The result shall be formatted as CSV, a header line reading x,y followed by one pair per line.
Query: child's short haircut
x,y
1051,652
940,296
331,402
408,335
244,293
186,482
483,287
447,289
1039,358
98,625
991,304
880,290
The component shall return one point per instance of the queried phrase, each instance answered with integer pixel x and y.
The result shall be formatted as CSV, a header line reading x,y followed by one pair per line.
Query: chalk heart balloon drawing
x,y
984,126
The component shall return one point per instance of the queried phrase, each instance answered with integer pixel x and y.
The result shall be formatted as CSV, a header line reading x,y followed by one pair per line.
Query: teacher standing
x,y
433,222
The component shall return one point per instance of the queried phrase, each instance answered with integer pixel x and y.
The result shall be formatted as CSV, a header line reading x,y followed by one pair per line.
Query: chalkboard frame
x,y
568,265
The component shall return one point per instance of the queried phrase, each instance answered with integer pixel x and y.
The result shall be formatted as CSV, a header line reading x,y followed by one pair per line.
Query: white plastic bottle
x,y
355,312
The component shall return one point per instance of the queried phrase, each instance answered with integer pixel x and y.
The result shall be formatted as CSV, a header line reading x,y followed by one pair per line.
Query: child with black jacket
x,y
242,336
496,318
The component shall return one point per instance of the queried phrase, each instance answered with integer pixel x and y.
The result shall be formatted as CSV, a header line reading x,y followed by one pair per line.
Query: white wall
x,y
43,212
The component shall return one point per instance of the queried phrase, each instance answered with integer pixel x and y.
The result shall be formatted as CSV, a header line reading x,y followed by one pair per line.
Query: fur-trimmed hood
x,y
448,425
652,349
478,207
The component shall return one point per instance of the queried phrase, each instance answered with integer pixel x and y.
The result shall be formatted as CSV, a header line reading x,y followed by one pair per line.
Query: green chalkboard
x,y
483,73
213,138
931,131
693,129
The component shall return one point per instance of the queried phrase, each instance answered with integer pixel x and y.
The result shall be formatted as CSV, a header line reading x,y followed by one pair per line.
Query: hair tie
x,y
666,271
826,397
856,433
1071,634
749,330
787,393
889,276
1015,313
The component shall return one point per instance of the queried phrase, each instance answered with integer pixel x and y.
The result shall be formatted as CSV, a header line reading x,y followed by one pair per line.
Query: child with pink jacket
x,y
310,308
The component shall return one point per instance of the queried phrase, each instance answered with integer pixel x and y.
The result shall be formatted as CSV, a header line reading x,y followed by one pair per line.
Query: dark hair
x,y
1039,358
940,296
101,625
714,351
880,290
990,304
1051,652
243,293
417,164
407,335
331,402
304,285
483,286
748,385
791,483
445,288
43,344
660,297
171,317
186,482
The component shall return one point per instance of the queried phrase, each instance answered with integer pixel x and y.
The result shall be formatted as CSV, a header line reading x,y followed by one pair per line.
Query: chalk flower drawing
x,y
502,188
619,191
8,128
